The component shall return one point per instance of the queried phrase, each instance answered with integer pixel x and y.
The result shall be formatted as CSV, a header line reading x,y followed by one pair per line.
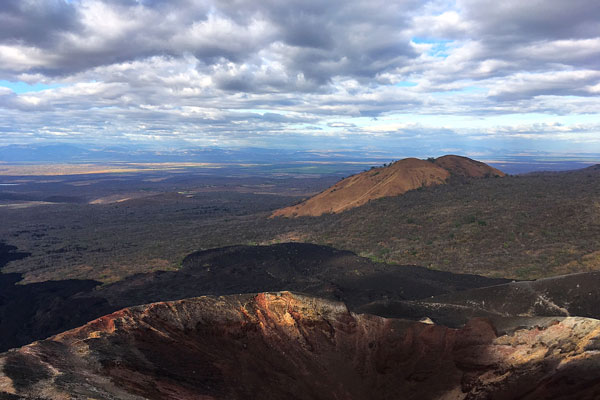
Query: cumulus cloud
x,y
234,70
532,20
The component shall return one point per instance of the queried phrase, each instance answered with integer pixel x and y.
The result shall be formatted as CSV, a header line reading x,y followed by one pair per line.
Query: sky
x,y
474,77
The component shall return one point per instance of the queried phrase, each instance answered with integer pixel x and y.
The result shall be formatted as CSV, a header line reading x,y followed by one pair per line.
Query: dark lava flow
x,y
36,311
559,296
301,267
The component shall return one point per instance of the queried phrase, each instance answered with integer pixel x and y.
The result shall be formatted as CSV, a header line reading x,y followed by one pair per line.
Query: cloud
x,y
563,83
532,20
36,23
317,39
241,71
339,124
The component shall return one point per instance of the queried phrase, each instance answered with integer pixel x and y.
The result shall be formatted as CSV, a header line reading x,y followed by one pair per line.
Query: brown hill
x,y
283,345
392,180
463,166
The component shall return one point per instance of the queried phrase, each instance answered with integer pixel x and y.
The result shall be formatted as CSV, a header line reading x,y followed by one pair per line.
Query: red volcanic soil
x,y
463,166
395,179
289,346
392,180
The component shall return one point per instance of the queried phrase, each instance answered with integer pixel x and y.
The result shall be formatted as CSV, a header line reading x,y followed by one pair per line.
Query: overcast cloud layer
x,y
464,76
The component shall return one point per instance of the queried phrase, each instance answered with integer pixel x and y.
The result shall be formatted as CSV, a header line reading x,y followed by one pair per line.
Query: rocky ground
x,y
35,311
360,329
568,295
284,345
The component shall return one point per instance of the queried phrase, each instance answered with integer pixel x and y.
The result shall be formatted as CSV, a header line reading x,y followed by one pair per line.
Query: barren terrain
x,y
284,345
521,227
91,244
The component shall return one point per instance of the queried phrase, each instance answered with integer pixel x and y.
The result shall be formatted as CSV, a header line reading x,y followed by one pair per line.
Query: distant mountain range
x,y
82,153
61,153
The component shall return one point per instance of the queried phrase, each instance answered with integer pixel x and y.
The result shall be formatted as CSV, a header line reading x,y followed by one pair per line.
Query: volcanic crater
x,y
285,345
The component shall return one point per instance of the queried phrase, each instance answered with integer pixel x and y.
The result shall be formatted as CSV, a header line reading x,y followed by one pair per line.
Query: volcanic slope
x,y
301,267
567,295
466,167
284,345
36,311
392,180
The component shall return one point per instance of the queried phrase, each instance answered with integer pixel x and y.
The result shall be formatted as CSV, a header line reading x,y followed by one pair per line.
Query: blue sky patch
x,y
406,84
22,87
439,47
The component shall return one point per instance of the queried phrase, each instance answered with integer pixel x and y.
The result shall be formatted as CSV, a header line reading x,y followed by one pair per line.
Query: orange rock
x,y
392,180
284,345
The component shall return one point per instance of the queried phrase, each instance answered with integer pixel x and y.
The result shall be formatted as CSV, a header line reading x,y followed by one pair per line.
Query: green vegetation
x,y
519,227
